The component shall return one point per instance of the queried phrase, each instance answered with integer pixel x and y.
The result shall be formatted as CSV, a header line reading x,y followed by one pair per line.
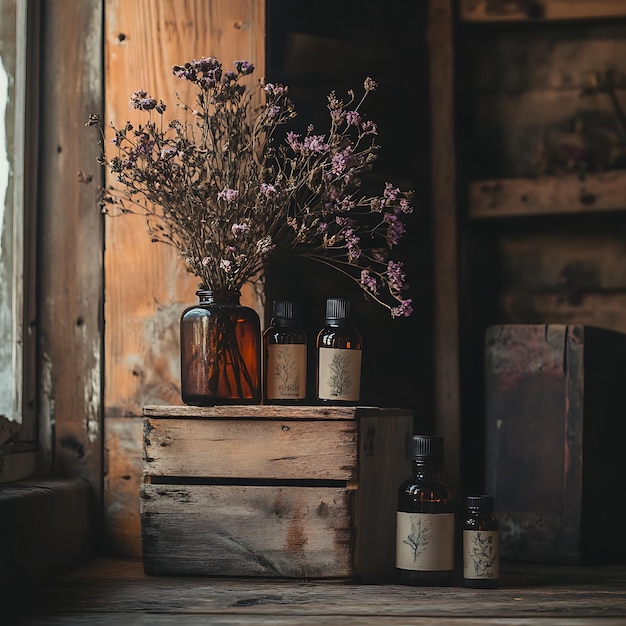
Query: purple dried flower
x,y
293,141
369,128
244,67
353,118
240,229
228,194
391,192
275,90
395,230
395,276
273,110
369,282
267,189
405,207
140,100
352,242
403,310
315,143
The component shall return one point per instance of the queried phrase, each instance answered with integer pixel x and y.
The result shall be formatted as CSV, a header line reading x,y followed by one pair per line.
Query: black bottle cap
x,y
426,447
337,311
484,504
285,313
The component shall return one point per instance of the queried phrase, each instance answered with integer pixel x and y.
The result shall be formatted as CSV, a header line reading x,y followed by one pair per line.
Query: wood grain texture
x,y
593,309
147,287
259,449
71,240
564,194
384,461
444,215
301,532
111,592
507,10
268,411
123,474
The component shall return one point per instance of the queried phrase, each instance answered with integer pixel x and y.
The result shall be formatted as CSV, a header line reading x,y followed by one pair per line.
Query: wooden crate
x,y
307,492
555,441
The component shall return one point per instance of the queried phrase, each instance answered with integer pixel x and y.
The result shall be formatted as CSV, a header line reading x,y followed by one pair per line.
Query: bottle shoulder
x,y
340,337
426,493
285,334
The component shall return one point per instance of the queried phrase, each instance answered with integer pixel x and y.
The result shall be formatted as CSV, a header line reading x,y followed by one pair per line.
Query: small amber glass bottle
x,y
425,519
339,346
284,356
481,547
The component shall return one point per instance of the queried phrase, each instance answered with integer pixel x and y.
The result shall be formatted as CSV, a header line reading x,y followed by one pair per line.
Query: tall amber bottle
x,y
425,519
339,346
220,349
284,356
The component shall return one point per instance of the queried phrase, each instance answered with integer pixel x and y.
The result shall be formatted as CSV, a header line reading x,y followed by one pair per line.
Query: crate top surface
x,y
271,412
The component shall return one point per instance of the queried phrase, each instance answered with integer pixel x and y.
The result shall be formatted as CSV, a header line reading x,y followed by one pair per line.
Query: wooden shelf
x,y
505,10
549,195
112,592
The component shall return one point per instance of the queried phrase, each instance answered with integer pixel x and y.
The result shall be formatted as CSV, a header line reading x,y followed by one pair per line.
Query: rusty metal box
x,y
556,441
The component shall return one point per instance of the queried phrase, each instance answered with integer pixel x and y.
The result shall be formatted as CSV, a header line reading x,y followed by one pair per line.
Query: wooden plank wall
x,y
532,117
146,286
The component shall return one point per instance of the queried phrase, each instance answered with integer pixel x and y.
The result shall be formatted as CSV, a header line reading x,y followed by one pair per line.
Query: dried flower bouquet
x,y
232,196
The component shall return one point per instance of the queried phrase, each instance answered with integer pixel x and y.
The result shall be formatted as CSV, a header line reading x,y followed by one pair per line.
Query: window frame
x,y
24,456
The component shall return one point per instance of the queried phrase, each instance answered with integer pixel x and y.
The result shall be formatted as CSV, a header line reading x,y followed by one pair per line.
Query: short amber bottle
x,y
425,519
284,356
339,347
481,545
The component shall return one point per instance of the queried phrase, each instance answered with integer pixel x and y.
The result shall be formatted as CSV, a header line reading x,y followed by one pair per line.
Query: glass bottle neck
x,y
208,296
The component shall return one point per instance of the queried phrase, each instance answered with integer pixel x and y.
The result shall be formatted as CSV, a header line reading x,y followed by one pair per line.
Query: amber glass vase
x,y
220,344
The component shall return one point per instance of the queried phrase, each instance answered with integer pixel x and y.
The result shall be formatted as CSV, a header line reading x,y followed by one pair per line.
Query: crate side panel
x,y
384,462
246,531
251,449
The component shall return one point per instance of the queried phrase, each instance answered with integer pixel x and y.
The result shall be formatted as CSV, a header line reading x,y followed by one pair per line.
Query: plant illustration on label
x,y
418,539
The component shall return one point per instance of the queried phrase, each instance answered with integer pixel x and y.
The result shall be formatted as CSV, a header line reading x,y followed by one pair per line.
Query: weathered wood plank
x,y
509,10
46,531
446,314
117,592
123,474
545,132
575,58
251,449
246,531
384,461
551,195
71,241
592,309
570,263
269,411
147,287
113,619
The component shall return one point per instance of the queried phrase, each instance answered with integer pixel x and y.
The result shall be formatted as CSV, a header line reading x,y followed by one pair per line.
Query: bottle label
x,y
339,374
425,541
481,554
286,372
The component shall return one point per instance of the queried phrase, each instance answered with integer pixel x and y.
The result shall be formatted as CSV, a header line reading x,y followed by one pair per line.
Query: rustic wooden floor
x,y
116,592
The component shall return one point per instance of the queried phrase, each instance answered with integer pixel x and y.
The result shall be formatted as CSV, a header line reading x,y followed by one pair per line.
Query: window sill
x,y
46,530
